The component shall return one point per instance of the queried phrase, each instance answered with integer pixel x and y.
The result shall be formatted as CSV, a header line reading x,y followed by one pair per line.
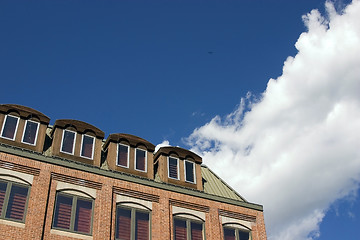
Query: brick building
x,y
67,182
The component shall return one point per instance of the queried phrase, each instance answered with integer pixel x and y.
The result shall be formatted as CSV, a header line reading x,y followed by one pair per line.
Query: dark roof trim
x,y
80,126
181,152
24,112
121,176
133,140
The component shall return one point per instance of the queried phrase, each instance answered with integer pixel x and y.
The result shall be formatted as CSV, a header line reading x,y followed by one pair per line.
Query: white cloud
x,y
296,150
165,143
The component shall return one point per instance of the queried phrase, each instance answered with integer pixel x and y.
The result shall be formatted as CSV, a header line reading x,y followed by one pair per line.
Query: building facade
x,y
67,181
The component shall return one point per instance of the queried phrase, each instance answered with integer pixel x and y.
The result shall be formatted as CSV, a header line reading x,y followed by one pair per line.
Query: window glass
x,y
140,160
236,234
189,172
87,146
83,216
187,229
68,142
123,155
9,127
173,167
73,213
132,224
13,199
30,132
180,229
123,225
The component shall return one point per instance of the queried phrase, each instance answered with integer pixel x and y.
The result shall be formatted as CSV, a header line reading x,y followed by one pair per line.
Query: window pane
x,y
10,127
244,235
173,168
123,224
196,231
2,195
229,234
122,155
87,146
83,216
180,230
142,226
30,132
17,202
140,159
68,142
189,169
62,214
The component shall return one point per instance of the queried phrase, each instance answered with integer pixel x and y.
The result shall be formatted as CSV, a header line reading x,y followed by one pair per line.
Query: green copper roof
x,y
216,186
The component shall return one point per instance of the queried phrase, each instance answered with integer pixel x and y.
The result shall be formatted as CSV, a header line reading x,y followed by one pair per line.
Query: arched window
x,y
132,222
236,232
188,227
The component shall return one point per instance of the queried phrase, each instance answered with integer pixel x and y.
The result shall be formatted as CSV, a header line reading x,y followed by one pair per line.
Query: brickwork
x,y
40,209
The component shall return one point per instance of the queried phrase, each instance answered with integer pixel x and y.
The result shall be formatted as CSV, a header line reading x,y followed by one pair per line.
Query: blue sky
x,y
162,70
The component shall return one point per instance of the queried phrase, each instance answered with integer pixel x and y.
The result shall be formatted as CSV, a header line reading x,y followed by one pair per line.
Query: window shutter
x,y
180,230
229,234
17,202
142,226
63,212
196,231
123,228
173,169
83,216
2,195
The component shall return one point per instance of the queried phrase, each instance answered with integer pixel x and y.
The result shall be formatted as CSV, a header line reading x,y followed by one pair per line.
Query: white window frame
x,y
128,155
93,146
194,172
62,141
177,168
145,160
36,134
17,124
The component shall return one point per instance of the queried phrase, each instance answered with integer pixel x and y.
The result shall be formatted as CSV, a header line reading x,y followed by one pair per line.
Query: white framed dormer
x,y
68,142
173,168
122,155
189,171
30,133
9,127
87,146
140,160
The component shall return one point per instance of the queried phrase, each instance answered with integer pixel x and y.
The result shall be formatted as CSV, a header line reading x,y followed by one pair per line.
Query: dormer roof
x,y
180,152
80,126
133,140
24,112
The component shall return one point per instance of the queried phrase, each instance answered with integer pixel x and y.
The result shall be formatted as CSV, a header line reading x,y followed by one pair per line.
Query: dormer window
x,y
87,146
189,171
68,142
30,132
140,160
123,156
173,168
9,127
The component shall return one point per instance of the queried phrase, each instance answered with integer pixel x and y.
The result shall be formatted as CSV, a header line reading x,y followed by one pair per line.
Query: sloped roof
x,y
214,185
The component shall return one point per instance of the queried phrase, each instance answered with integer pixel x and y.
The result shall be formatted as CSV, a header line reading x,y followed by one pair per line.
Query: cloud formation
x,y
296,149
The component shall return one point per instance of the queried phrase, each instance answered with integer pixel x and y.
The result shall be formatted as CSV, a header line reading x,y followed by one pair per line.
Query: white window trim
x,y
194,172
145,160
62,141
128,155
17,124
36,134
93,146
177,167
